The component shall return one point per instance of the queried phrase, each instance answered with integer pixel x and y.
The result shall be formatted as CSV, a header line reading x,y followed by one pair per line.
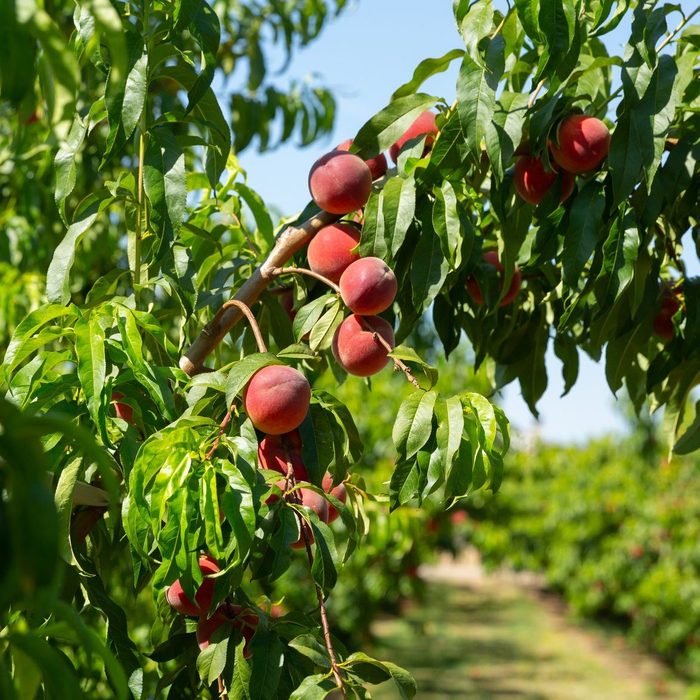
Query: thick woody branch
x,y
288,242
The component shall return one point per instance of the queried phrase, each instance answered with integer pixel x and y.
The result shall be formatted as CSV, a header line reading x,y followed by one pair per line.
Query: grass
x,y
495,640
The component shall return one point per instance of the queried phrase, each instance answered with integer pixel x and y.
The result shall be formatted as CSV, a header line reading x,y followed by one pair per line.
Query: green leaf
x,y
690,440
205,28
310,647
135,95
429,268
66,163
58,676
448,223
314,687
504,131
583,231
324,568
262,218
29,327
450,420
308,315
475,22
414,423
424,70
324,329
90,351
385,127
267,663
58,275
63,499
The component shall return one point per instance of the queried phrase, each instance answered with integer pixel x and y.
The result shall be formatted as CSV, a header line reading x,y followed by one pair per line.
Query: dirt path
x,y
483,636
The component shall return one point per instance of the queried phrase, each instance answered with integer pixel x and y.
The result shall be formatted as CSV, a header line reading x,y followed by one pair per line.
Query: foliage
x,y
127,206
615,532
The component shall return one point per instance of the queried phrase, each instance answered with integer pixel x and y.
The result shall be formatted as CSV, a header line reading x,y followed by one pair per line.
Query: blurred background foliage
x,y
614,528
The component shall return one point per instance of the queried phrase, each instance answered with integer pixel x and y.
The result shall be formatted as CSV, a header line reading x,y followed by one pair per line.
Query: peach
x,y
532,181
582,144
377,165
339,492
177,599
318,505
663,321
277,399
424,124
274,451
287,301
368,286
331,250
340,182
356,349
491,258
122,410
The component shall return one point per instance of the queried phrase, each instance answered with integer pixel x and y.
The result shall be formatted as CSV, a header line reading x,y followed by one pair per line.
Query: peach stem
x,y
245,310
398,364
304,271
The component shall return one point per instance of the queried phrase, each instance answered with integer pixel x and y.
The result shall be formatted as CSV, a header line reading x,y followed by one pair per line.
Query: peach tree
x,y
164,448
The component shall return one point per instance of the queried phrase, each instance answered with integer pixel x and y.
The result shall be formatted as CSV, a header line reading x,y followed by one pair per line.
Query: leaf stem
x,y
277,271
245,310
222,428
535,92
139,207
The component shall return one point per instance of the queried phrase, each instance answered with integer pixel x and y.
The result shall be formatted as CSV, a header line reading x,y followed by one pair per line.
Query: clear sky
x,y
364,55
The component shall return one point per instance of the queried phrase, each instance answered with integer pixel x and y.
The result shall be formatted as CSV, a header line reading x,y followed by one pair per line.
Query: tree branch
x,y
288,242
535,92
296,498
222,428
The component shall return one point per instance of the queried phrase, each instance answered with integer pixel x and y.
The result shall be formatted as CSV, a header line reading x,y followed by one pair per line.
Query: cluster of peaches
x,y
277,397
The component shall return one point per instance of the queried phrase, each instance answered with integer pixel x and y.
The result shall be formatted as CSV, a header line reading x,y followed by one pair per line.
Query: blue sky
x,y
364,55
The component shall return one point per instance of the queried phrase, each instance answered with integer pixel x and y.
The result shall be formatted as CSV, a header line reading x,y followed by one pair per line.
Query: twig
x,y
680,26
304,271
223,695
398,364
535,92
288,242
296,498
222,428
245,310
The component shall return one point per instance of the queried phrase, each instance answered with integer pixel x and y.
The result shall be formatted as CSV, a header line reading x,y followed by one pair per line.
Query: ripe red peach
x,y
331,250
356,349
532,181
122,410
338,491
663,324
491,258
277,399
176,597
377,165
274,451
581,145
287,301
424,124
368,286
340,182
